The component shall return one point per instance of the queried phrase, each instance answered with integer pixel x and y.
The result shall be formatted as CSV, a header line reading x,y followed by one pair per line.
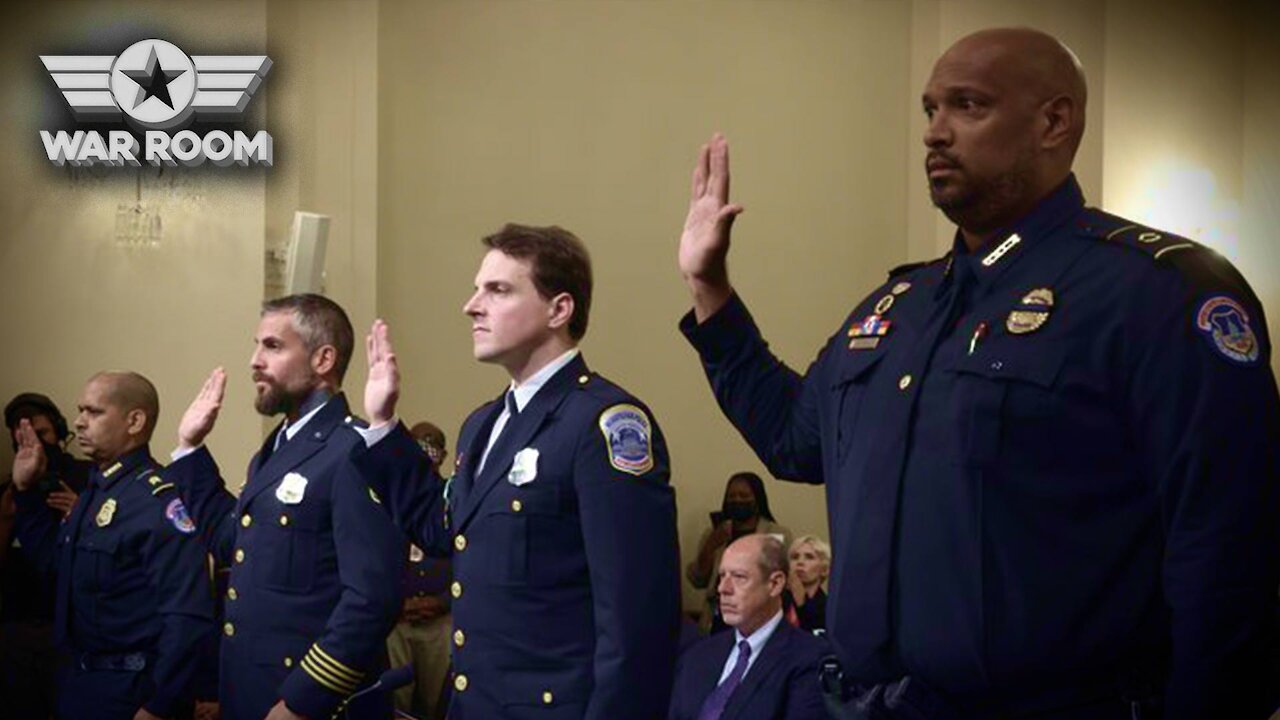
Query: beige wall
x,y
75,301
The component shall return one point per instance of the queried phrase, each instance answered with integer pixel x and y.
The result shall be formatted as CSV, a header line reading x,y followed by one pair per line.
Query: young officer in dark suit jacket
x,y
560,518
765,669
315,559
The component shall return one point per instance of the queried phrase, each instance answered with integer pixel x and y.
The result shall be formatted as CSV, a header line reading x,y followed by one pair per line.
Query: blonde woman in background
x,y
810,560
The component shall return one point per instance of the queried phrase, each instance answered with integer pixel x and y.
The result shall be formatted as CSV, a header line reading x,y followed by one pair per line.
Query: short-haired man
x,y
315,560
561,519
765,669
1050,457
133,598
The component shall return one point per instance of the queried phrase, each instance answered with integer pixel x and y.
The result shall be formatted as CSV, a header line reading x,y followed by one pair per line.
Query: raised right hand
x,y
29,462
200,416
704,244
721,534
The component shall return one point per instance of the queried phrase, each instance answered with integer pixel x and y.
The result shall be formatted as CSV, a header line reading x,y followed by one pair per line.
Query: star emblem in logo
x,y
154,83
153,80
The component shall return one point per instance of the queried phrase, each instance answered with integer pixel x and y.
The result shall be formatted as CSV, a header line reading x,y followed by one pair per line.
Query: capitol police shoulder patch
x,y
629,437
1224,323
176,513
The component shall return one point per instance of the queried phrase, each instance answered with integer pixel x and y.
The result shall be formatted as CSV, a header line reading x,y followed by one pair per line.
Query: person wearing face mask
x,y
744,511
27,656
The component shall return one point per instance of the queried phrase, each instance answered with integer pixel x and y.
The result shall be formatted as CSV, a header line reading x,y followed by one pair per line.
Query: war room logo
x,y
157,90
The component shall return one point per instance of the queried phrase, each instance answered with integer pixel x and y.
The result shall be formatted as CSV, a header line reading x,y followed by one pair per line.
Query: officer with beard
x,y
315,560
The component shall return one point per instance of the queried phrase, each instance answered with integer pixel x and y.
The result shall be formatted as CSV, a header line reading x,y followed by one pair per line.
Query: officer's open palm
x,y
201,415
704,244
29,462
382,390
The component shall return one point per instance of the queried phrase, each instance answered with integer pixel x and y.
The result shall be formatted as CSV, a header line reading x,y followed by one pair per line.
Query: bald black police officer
x,y
1049,456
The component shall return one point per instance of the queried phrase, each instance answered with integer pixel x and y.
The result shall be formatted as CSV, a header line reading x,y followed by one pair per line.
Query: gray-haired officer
x,y
1050,457
133,597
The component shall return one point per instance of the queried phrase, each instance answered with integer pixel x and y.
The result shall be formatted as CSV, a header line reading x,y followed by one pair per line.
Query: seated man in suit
x,y
765,668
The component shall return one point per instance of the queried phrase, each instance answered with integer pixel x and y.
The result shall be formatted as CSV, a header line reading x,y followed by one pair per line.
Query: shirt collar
x,y
760,636
1008,244
525,391
316,402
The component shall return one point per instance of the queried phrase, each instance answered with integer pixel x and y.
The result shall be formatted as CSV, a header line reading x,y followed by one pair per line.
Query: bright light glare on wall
x,y
1184,198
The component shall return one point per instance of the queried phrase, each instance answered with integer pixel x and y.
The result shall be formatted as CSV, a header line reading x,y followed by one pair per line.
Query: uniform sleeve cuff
x,y
373,435
722,334
319,684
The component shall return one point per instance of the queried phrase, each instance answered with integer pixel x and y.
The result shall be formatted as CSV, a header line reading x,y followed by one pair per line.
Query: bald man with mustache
x,y
1050,455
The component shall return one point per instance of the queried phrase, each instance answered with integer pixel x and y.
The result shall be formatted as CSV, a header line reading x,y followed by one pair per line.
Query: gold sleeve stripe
x,y
326,660
322,677
161,488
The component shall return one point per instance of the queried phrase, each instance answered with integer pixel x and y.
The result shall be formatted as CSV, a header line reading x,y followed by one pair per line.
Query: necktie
x,y
715,703
281,437
500,427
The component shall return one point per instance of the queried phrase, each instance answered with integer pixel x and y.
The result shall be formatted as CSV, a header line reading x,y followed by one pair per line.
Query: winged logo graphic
x,y
154,85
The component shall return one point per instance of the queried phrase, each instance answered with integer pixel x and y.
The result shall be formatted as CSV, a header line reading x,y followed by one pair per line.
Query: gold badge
x,y
883,306
901,288
1032,313
1021,322
1039,296
106,512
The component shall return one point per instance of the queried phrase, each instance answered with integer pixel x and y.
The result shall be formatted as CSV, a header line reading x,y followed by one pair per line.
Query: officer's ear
x,y
560,311
136,421
324,359
1060,116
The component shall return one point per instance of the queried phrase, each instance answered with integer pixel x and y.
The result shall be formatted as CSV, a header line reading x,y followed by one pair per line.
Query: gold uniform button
x,y
459,638
905,382
460,543
228,629
231,594
460,683
547,697
284,519
456,589
288,662
245,520
516,506
582,379
239,555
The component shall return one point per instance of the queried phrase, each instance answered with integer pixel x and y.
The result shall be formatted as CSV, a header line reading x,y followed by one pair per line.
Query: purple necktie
x,y
714,705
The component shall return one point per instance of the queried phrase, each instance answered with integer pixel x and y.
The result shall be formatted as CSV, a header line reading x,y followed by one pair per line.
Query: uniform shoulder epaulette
x,y
1158,244
155,481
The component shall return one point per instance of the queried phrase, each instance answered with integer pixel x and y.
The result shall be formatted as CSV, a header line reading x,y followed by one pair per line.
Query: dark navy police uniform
x,y
315,570
133,600
1051,469
566,597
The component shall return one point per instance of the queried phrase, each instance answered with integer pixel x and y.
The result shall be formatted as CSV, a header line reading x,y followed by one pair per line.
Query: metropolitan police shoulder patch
x,y
1225,324
176,513
629,437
